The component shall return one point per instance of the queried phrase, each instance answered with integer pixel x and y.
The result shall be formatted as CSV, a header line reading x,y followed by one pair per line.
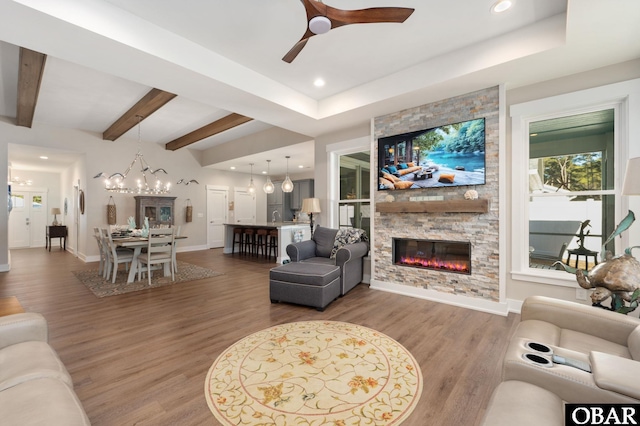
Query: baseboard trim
x,y
6,267
515,306
192,248
436,296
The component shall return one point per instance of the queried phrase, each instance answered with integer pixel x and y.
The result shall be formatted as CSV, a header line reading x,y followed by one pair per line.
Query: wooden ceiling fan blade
x,y
372,15
295,50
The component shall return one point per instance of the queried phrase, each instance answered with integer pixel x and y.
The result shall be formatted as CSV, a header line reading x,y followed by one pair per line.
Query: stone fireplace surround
x,y
479,228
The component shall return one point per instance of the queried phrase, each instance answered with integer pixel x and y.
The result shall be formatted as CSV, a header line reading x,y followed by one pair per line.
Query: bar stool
x,y
261,241
237,232
249,240
273,243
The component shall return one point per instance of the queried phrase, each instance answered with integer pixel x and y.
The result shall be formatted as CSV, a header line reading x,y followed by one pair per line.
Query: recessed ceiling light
x,y
232,167
502,6
533,134
318,82
301,166
44,157
264,172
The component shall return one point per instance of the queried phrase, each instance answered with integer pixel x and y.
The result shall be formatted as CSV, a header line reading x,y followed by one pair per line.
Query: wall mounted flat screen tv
x,y
444,156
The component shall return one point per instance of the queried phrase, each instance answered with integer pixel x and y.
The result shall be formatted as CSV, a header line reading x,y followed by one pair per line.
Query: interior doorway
x,y
244,206
217,199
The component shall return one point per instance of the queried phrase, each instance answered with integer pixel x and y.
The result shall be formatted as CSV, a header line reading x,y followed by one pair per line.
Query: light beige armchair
x,y
605,343
578,327
536,384
35,387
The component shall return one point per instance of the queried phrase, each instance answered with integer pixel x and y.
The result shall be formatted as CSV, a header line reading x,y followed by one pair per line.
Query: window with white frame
x,y
568,159
354,208
571,189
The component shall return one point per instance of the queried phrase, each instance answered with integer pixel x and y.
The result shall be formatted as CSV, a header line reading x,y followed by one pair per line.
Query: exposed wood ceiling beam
x,y
29,79
146,106
225,123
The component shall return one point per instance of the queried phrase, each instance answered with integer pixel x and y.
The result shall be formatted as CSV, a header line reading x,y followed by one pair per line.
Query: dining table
x,y
137,244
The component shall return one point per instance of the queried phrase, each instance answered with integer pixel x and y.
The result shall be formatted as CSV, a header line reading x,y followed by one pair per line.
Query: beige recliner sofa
x,y
35,387
601,354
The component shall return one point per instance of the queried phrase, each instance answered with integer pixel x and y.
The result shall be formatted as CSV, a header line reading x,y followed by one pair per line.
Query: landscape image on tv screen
x,y
445,156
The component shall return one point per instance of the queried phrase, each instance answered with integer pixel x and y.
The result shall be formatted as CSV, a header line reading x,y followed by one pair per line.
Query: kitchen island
x,y
286,233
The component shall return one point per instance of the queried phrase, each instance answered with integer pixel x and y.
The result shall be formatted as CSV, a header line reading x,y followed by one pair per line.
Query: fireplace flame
x,y
435,263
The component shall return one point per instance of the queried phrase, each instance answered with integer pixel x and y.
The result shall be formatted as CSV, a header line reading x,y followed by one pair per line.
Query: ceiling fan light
x,y
319,25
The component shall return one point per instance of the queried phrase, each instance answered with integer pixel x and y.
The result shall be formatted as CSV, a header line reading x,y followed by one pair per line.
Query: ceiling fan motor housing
x,y
319,25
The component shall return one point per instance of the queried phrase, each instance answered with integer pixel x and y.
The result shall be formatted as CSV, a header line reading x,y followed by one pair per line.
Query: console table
x,y
56,232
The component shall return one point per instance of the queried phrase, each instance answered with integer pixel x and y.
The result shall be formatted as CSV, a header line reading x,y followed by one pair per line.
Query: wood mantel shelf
x,y
445,206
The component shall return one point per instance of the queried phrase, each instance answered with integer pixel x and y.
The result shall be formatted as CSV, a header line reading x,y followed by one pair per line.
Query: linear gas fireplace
x,y
448,256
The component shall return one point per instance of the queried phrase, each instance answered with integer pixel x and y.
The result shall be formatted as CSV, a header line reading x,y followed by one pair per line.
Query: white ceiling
x,y
224,56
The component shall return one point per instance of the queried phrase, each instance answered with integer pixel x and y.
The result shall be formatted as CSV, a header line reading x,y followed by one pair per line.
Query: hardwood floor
x,y
141,358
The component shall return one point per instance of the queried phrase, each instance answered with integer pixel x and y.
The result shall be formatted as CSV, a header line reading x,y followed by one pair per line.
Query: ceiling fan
x,y
321,18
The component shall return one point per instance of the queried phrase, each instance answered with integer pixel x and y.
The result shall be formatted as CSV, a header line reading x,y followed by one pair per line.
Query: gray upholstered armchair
x,y
319,248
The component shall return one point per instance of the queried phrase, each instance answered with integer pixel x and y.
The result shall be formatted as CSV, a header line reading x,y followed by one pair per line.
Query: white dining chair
x,y
104,239
117,255
160,247
103,253
175,249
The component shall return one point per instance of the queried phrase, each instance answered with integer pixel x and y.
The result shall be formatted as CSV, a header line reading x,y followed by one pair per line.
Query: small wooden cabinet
x,y
55,231
159,210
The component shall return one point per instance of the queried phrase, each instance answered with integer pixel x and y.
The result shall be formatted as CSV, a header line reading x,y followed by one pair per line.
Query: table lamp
x,y
55,211
311,206
632,177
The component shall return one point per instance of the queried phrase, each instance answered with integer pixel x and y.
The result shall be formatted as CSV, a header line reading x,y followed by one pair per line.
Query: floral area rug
x,y
103,288
314,373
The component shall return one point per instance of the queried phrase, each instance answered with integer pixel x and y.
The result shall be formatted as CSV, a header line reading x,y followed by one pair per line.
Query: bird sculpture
x,y
617,277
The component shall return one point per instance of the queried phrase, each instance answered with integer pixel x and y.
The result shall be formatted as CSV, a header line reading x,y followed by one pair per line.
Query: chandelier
x,y
118,182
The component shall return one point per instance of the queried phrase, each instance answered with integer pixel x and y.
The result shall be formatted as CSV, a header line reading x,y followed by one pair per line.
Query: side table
x,y
56,232
581,251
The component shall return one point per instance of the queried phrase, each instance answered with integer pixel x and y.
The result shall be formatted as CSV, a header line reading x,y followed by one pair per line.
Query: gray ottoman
x,y
303,283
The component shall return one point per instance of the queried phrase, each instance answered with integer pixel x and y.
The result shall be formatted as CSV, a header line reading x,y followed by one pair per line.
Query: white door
x,y
19,223
28,219
245,206
216,215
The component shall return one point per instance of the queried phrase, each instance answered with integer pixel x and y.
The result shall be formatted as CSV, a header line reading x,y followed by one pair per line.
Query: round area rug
x,y
314,373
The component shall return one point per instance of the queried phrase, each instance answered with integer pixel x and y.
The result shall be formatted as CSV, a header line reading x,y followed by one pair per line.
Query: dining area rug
x,y
314,373
102,287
